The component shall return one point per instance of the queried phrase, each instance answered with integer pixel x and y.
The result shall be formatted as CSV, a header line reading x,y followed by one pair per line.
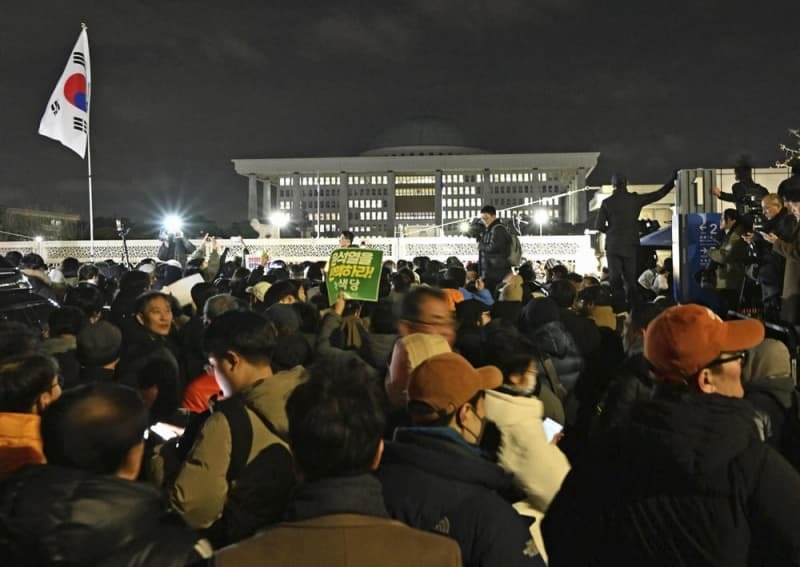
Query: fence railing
x,y
576,251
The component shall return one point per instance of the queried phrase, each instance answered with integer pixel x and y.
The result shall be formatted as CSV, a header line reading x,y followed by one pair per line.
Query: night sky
x,y
180,87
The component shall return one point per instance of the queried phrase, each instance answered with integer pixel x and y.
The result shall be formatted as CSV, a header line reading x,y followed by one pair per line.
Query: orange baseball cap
x,y
684,339
447,381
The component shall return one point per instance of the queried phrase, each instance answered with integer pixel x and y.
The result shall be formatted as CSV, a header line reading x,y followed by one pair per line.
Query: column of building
x,y
391,226
252,197
438,202
344,199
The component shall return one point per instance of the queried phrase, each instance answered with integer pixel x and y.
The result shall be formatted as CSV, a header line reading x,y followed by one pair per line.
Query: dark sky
x,y
180,87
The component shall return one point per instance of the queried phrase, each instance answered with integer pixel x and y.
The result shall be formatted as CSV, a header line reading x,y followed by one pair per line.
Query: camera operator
x,y
746,194
174,246
771,265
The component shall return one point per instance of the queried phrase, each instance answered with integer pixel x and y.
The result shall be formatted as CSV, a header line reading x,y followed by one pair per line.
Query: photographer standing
x,y
771,265
746,194
175,247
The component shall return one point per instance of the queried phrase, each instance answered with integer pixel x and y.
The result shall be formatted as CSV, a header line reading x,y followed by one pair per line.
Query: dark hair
x,y
489,210
383,320
92,427
67,320
14,257
86,297
410,308
510,351
162,372
401,280
595,295
348,235
575,277
456,274
201,292
88,272
335,418
563,293
16,338
731,215
559,270
248,334
144,300
279,290
309,317
526,272
134,281
23,379
69,267
32,260
314,272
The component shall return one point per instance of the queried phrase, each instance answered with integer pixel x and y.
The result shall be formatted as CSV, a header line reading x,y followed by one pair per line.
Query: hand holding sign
x,y
355,272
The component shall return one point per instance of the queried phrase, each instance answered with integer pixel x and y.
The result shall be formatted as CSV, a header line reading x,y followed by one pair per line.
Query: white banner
x,y
66,117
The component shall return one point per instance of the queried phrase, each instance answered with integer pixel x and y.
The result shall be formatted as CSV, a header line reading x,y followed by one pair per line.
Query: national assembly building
x,y
419,177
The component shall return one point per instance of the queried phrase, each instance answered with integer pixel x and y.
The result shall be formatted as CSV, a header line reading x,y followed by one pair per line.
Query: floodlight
x,y
38,238
541,216
173,223
279,219
464,227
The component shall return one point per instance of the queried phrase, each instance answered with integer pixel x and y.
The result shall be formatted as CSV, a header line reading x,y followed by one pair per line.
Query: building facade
x,y
421,179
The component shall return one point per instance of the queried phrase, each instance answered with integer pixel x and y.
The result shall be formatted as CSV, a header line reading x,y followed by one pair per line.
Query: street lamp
x,y
541,217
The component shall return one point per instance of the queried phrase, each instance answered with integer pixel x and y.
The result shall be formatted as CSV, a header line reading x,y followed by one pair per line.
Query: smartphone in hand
x,y
551,428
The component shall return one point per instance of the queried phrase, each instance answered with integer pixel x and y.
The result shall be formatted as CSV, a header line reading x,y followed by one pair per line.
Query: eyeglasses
x,y
736,356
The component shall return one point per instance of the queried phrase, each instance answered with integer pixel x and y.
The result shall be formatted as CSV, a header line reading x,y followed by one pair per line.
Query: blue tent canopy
x,y
662,238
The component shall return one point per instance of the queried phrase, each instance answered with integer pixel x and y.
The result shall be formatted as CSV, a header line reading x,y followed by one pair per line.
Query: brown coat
x,y
790,306
343,540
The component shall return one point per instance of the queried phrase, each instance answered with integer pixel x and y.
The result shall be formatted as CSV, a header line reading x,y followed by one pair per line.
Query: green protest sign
x,y
356,272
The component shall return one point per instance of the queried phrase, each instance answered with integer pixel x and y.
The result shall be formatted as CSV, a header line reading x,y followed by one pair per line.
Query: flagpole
x,y
89,157
91,206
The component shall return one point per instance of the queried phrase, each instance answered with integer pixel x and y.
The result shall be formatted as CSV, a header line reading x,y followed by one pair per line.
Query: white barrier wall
x,y
576,251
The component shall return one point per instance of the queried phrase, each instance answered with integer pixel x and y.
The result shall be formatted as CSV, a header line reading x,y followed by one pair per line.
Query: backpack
x,y
515,248
258,491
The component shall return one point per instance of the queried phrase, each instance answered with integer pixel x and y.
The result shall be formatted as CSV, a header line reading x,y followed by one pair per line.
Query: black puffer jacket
x,y
688,482
495,247
52,515
554,340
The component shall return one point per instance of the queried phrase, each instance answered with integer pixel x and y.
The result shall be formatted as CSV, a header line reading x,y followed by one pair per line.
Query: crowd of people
x,y
476,414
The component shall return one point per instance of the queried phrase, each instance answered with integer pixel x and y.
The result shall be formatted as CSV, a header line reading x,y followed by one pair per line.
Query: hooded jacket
x,y
435,482
54,515
687,482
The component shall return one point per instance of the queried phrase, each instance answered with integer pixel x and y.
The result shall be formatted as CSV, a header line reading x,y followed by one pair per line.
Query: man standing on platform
x,y
618,218
494,250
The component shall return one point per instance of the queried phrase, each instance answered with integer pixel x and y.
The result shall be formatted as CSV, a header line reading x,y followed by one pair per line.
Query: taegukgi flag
x,y
66,117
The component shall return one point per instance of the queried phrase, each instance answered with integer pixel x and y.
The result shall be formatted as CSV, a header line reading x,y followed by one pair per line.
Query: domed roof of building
x,y
421,136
